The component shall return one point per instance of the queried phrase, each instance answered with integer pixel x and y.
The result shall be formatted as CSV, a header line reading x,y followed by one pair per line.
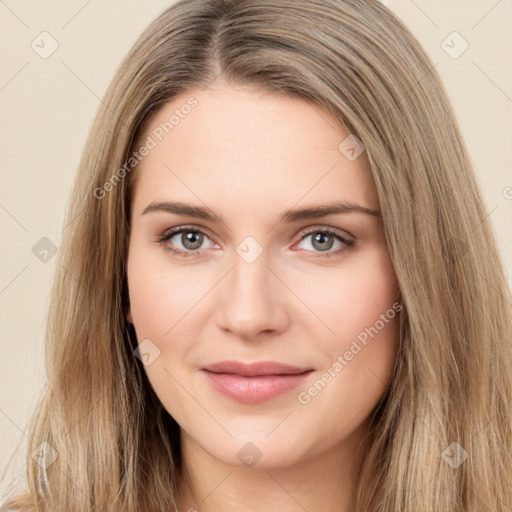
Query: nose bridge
x,y
251,302
249,277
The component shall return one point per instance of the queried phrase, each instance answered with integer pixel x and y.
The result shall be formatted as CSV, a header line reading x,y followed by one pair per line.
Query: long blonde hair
x,y
449,396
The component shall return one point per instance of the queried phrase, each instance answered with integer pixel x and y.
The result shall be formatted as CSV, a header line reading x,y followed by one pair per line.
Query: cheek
x,y
353,297
358,360
360,307
161,294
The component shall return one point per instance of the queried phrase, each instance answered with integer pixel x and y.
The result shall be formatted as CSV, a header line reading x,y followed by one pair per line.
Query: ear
x,y
129,315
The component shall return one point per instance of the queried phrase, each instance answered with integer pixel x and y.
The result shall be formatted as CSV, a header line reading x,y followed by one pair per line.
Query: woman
x,y
279,289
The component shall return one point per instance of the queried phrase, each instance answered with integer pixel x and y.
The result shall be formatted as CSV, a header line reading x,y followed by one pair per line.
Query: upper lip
x,y
255,369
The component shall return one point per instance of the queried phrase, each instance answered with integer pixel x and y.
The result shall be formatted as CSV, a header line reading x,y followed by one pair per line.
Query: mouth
x,y
255,382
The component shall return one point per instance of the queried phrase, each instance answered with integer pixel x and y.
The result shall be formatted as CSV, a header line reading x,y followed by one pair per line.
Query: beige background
x,y
48,105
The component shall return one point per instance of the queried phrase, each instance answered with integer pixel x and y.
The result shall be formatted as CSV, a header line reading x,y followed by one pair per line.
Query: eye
x,y
323,240
190,238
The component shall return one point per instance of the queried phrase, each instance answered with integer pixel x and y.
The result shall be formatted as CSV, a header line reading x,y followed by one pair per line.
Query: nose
x,y
252,300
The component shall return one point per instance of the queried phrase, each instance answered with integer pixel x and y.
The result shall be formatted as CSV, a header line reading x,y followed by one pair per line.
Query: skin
x,y
250,156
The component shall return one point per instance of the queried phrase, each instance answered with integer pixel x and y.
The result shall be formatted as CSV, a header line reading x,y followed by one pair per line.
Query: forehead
x,y
239,146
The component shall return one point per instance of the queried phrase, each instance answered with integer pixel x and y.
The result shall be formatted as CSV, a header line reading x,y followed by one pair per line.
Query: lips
x,y
255,369
253,383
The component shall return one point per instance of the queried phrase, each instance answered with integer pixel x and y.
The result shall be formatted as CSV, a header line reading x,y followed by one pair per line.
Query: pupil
x,y
191,240
321,237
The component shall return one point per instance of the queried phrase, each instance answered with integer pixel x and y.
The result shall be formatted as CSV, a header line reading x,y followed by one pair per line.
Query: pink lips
x,y
256,382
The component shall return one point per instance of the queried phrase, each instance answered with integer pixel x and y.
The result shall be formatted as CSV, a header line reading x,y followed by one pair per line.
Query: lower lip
x,y
254,390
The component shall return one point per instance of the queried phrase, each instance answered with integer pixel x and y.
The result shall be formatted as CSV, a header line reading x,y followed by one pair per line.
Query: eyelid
x,y
305,231
169,233
327,229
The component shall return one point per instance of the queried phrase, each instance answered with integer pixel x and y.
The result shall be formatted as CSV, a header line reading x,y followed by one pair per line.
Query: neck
x,y
325,482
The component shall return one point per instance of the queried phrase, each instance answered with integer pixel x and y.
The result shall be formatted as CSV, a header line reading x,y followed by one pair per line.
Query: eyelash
x,y
187,254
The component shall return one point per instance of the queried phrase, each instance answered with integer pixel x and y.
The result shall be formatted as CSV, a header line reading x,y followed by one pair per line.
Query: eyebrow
x,y
311,212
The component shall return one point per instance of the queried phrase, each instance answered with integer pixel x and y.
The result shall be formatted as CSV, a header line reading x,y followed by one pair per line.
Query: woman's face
x,y
259,275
